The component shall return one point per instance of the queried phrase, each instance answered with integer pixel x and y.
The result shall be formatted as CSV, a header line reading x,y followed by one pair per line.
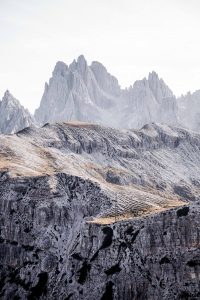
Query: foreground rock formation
x,y
89,212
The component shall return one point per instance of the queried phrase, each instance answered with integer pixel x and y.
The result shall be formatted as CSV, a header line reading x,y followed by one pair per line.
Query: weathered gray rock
x,y
65,175
48,251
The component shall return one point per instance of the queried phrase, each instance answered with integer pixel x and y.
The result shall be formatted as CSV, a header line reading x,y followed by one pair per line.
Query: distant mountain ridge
x,y
90,93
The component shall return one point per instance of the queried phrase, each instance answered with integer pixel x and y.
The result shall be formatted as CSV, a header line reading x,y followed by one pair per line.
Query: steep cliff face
x,y
13,116
89,212
49,251
90,93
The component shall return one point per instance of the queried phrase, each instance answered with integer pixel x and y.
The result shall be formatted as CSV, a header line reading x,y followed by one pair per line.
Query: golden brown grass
x,y
129,216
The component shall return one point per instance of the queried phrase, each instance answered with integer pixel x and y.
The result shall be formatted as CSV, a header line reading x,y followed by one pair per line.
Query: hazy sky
x,y
130,37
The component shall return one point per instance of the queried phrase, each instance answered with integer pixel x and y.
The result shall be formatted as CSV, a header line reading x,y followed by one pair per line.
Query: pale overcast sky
x,y
130,37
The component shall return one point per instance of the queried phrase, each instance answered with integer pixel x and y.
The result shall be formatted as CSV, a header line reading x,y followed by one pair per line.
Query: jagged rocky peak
x,y
60,69
105,80
90,93
159,87
79,65
155,85
13,116
8,97
9,100
83,73
75,95
149,100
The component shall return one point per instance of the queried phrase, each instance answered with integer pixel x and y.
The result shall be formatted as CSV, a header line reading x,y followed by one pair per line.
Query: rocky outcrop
x,y
13,116
88,212
48,250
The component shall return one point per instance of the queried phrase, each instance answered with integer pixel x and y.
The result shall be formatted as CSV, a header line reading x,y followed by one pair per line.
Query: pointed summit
x,y
81,64
72,66
9,99
153,76
7,93
60,68
13,116
81,59
159,87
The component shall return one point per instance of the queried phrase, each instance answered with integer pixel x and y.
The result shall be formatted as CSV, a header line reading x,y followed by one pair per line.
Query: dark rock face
x,y
48,251
40,230
50,247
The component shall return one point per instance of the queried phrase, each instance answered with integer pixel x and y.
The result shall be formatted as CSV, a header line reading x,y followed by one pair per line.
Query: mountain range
x,y
89,93
91,207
